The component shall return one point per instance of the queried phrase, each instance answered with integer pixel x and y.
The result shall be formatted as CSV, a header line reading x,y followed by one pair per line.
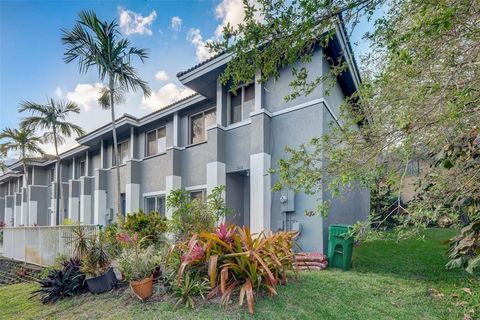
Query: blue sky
x,y
31,65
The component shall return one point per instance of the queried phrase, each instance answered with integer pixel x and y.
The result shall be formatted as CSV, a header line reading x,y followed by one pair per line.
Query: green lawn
x,y
405,280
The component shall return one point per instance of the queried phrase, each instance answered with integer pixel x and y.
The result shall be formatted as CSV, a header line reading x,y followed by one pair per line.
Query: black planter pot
x,y
102,283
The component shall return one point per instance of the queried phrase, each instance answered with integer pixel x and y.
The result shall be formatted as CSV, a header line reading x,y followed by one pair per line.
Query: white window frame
x,y
114,157
156,134
203,191
229,103
190,135
84,162
156,197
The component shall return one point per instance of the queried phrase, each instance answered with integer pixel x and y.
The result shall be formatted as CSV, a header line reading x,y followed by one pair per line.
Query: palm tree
x,y
97,44
24,141
51,118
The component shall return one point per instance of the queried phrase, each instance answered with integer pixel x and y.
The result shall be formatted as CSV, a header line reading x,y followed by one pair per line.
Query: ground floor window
x,y
197,194
155,203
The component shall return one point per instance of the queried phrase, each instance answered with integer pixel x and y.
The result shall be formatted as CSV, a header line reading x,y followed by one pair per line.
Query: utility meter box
x,y
287,200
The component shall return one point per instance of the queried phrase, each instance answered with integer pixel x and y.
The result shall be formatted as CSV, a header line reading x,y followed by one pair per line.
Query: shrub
x,y
192,216
241,259
112,246
136,263
189,286
150,226
59,284
96,259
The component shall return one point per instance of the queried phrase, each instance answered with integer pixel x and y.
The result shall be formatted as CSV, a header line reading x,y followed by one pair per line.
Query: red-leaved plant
x,y
248,261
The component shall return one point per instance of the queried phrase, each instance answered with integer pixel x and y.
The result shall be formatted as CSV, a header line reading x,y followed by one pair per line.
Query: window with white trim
x,y
124,151
197,194
155,204
242,104
156,141
82,168
199,123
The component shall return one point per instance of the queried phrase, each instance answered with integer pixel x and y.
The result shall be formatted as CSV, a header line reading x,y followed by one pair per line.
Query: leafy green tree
x,y
52,118
23,141
419,98
97,44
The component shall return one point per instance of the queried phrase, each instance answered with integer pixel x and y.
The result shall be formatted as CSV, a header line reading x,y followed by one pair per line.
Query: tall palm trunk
x,y
25,172
115,151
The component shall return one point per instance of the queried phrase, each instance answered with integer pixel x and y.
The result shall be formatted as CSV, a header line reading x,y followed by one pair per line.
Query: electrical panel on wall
x,y
287,200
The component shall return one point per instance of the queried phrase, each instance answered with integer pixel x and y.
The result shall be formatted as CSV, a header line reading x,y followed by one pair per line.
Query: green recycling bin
x,y
340,246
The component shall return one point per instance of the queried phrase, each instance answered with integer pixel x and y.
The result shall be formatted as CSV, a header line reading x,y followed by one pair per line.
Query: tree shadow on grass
x,y
413,259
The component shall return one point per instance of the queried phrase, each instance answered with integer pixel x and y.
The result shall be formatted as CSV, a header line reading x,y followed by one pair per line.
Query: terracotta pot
x,y
142,288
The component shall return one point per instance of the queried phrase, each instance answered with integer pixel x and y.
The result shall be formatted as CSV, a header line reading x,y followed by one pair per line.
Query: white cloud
x,y
85,95
229,11
58,92
135,23
176,24
161,75
201,51
166,95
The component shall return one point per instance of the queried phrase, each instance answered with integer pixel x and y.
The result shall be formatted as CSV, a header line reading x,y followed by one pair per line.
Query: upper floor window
x,y
82,168
123,150
156,141
242,104
199,123
51,174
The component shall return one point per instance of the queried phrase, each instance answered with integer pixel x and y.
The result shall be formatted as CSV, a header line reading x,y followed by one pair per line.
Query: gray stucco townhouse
x,y
208,139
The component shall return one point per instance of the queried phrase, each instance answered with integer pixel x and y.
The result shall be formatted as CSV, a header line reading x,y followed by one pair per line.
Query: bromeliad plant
x,y
236,259
62,283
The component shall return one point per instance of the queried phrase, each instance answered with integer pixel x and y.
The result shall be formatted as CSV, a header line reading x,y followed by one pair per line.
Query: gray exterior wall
x,y
238,155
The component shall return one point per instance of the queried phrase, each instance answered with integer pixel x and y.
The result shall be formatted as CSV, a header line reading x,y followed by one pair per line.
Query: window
x,y
156,141
82,168
155,204
241,105
51,174
199,124
123,150
197,194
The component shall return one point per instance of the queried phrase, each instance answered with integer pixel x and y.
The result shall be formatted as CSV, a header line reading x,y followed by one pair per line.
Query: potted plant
x,y
137,265
96,264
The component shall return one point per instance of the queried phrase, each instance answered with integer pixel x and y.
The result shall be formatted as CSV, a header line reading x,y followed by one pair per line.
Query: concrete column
x,y
171,183
24,209
102,155
74,200
2,209
73,168
258,92
216,175
132,142
9,210
132,187
86,208
53,205
260,192
38,205
18,209
87,163
175,129
100,198
260,179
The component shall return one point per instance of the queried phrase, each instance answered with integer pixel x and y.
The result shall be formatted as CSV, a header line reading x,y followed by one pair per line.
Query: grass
x,y
405,280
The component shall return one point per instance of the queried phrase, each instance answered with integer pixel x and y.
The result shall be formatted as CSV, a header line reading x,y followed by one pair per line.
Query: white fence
x,y
41,245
